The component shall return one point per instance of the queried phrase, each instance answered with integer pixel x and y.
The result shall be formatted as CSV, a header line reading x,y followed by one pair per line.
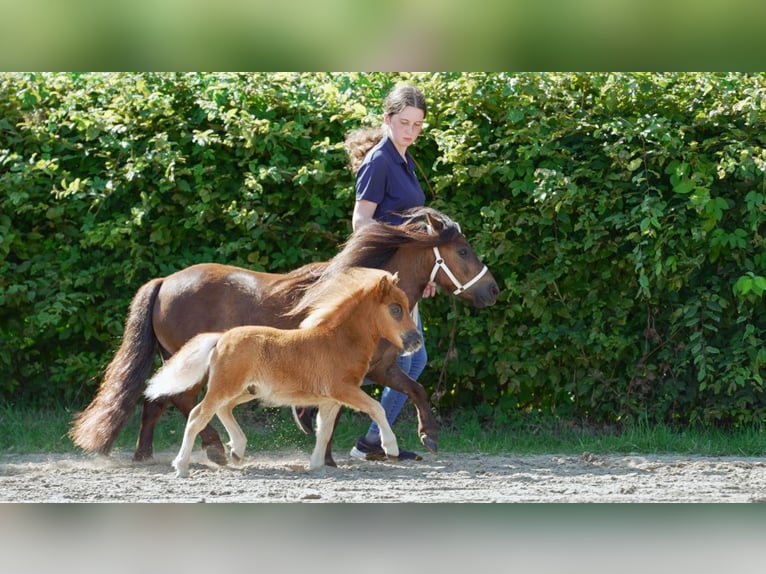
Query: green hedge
x,y
622,215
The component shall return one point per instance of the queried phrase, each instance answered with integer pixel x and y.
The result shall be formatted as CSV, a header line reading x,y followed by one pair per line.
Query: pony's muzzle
x,y
411,341
486,296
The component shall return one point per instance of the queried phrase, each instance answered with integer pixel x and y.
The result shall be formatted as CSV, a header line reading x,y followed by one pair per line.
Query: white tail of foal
x,y
184,369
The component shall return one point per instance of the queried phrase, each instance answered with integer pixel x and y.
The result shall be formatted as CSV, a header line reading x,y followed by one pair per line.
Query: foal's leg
x,y
357,399
326,418
198,418
237,438
211,442
388,374
328,459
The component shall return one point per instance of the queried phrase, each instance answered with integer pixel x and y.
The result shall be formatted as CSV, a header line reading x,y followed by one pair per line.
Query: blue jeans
x,y
392,401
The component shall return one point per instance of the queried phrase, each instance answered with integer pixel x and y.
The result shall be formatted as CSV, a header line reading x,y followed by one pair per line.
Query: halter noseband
x,y
440,264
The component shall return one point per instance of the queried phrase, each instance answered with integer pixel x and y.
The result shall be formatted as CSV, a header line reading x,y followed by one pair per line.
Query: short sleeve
x,y
371,180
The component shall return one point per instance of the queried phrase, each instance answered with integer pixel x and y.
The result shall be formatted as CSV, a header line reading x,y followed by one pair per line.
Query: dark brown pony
x,y
322,363
167,312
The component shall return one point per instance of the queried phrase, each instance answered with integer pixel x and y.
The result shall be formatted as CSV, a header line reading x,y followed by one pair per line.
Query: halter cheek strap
x,y
440,264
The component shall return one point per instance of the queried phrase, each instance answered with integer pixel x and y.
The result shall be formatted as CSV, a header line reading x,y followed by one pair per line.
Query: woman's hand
x,y
430,290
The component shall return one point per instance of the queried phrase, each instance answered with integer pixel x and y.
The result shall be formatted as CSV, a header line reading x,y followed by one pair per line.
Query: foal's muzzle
x,y
412,341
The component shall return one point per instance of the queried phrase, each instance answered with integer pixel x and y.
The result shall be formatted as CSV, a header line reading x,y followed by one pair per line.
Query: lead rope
x,y
422,173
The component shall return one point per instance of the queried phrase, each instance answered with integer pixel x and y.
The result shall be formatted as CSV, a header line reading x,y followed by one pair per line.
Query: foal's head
x,y
390,309
361,297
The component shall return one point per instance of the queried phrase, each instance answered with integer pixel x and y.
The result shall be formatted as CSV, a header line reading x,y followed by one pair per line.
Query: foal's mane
x,y
329,301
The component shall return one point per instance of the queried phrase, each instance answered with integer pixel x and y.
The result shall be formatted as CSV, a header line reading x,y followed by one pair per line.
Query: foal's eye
x,y
396,311
463,252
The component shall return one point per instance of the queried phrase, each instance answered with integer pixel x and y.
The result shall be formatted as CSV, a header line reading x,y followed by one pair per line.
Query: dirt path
x,y
282,477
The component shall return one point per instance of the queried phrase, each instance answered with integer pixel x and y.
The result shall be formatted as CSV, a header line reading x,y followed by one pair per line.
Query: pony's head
x,y
427,246
456,267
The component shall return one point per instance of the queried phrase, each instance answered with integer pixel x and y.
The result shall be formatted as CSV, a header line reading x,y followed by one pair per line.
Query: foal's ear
x,y
386,283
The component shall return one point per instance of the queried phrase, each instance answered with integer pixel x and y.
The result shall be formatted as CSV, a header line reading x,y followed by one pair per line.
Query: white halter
x,y
440,264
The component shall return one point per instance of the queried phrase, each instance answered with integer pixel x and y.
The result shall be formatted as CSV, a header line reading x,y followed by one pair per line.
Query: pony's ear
x,y
395,279
434,223
430,221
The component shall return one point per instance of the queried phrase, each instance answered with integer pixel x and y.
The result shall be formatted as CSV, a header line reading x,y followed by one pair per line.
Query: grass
x,y
28,430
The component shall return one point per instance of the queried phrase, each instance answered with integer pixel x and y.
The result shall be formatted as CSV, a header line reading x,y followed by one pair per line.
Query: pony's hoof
x,y
141,456
330,461
431,444
216,453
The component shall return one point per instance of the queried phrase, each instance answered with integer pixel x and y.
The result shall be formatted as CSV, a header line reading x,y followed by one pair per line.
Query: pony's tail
x,y
184,370
96,428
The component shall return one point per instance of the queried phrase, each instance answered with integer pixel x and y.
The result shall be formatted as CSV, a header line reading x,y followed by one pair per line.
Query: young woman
x,y
386,184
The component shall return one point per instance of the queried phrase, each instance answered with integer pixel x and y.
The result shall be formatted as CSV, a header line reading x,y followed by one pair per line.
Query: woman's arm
x,y
363,212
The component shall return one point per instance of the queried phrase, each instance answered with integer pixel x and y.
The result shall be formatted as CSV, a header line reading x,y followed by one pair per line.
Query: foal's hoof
x,y
182,470
216,453
431,444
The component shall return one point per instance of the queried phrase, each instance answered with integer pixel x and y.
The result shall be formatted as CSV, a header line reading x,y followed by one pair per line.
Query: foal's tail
x,y
97,427
184,370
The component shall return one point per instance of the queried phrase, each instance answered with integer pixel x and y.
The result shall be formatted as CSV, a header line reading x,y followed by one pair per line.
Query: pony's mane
x,y
371,246
329,301
295,282
374,244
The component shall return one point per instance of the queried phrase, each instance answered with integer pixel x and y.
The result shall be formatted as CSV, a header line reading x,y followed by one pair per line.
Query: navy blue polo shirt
x,y
387,179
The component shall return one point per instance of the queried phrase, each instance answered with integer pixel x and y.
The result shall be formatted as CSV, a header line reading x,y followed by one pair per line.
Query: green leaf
x,y
684,186
743,285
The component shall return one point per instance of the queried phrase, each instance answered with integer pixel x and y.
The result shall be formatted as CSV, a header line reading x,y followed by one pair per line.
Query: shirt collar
x,y
390,149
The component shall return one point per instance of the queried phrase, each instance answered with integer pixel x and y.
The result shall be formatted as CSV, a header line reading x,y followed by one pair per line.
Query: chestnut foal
x,y
321,363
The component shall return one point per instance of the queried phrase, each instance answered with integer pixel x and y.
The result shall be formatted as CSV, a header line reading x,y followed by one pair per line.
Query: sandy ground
x,y
282,477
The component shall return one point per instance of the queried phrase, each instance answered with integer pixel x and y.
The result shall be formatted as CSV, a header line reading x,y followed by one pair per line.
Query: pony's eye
x,y
463,252
396,310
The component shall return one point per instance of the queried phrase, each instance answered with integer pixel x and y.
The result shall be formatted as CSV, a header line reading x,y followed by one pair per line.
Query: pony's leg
x,y
326,418
198,418
388,374
150,414
211,441
237,437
